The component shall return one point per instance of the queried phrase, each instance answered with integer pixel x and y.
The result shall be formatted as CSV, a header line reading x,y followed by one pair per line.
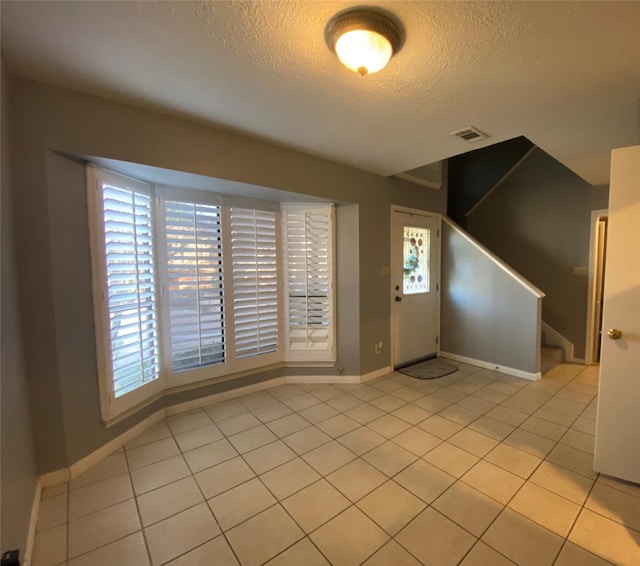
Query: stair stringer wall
x,y
538,221
489,313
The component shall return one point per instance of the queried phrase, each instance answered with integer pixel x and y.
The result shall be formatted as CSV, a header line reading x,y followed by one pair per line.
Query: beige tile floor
x,y
476,468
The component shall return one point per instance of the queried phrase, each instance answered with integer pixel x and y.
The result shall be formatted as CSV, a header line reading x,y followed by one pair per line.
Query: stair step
x,y
550,357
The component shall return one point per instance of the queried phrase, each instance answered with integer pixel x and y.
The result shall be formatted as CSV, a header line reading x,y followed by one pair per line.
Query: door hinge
x,y
437,340
437,286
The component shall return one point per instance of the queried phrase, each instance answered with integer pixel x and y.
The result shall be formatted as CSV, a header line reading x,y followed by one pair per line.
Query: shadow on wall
x,y
473,174
538,221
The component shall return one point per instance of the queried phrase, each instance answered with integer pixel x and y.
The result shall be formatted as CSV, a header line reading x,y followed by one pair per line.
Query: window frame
x,y
270,358
110,405
202,373
300,354
114,409
231,365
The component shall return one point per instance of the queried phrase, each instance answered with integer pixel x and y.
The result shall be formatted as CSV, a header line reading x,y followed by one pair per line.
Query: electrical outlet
x,y
378,347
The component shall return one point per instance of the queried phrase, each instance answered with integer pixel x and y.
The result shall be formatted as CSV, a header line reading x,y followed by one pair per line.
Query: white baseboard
x,y
496,367
110,447
64,475
322,379
339,378
375,374
33,523
224,396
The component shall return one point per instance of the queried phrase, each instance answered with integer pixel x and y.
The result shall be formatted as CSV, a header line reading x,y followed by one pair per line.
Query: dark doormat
x,y
429,369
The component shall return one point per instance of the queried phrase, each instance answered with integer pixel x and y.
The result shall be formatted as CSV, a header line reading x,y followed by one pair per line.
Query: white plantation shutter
x,y
202,272
194,285
308,235
126,288
255,281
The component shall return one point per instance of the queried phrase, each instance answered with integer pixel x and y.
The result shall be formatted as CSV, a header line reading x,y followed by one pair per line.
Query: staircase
x,y
550,356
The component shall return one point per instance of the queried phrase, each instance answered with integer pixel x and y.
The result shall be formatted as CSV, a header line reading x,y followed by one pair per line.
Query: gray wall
x,y
473,174
348,284
486,314
18,473
538,221
51,227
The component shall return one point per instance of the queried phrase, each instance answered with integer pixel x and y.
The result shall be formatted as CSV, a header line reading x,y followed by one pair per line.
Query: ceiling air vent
x,y
470,134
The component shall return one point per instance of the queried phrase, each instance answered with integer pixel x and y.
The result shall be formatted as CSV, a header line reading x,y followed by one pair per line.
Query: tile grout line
x,y
129,475
353,504
573,524
279,501
204,499
386,412
390,439
505,505
322,477
135,499
421,457
430,505
556,442
68,524
387,478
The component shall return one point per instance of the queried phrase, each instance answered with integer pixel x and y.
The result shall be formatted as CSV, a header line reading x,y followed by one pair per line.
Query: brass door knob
x,y
614,334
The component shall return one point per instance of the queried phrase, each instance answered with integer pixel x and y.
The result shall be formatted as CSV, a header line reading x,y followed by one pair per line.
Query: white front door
x,y
617,450
415,276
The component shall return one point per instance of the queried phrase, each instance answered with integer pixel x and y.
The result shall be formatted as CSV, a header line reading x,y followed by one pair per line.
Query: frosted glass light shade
x,y
363,51
364,39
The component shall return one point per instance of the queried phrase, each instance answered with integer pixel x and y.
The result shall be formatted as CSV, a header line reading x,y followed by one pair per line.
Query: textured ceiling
x,y
564,74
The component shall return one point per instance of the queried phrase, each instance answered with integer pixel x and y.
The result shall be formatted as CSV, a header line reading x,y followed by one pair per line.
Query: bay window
x,y
190,286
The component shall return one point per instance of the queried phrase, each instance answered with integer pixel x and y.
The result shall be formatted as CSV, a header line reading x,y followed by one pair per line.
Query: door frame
x,y
392,314
591,295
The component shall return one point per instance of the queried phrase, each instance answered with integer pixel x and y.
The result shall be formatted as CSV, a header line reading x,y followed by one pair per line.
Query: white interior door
x,y
617,451
415,276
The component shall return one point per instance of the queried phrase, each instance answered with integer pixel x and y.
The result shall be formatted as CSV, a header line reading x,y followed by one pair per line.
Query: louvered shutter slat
x,y
195,280
130,286
309,272
255,281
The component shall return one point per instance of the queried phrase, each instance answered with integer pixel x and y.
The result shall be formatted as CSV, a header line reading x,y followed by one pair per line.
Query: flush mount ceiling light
x,y
364,39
